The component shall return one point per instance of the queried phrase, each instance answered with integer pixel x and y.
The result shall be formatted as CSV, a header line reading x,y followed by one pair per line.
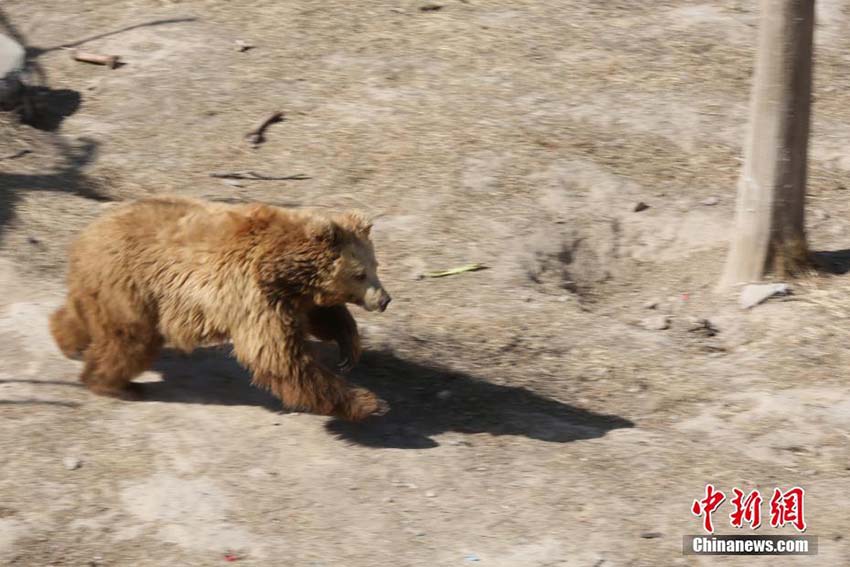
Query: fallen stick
x,y
257,136
243,46
111,61
454,271
254,176
16,155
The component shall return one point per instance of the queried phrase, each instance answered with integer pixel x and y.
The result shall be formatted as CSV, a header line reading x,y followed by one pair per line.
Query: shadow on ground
x,y
833,262
68,177
425,401
50,107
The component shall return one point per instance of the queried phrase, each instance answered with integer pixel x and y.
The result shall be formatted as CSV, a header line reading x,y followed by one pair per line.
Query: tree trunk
x,y
770,216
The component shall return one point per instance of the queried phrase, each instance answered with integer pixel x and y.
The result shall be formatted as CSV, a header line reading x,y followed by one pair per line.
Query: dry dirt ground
x,y
536,420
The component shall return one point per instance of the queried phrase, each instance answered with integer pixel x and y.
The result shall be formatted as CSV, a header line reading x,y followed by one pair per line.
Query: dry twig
x,y
257,136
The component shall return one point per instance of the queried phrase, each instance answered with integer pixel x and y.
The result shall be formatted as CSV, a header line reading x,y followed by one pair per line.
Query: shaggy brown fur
x,y
191,273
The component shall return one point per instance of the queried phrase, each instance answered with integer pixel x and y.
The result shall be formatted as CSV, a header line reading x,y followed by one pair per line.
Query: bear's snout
x,y
384,301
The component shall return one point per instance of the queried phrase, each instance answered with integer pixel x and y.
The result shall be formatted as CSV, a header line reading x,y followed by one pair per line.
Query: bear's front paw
x,y
362,403
350,352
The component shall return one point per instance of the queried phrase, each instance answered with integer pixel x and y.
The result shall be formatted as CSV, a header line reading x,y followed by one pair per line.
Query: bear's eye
x,y
360,277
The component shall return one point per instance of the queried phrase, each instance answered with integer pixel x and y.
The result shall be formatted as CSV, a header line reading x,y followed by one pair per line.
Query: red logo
x,y
746,509
785,508
707,506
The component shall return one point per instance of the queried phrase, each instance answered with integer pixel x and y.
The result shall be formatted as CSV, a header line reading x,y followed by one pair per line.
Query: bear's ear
x,y
356,223
325,231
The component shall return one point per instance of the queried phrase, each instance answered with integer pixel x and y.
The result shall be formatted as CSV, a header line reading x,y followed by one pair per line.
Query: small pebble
x,y
430,494
710,202
650,535
444,394
641,207
658,323
71,463
472,557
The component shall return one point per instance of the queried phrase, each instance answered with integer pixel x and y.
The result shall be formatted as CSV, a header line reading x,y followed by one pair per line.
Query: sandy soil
x,y
536,419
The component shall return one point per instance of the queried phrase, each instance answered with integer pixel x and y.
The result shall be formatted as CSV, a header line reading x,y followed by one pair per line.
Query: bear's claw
x,y
346,365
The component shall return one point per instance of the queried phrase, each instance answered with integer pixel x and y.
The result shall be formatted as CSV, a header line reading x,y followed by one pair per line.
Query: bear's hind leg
x,y
119,351
69,329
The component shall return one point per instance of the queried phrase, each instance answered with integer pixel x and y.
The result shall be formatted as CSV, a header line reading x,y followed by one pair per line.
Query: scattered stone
x,y
430,494
430,7
389,499
651,535
12,63
710,201
72,463
651,304
641,206
444,394
471,557
657,323
755,294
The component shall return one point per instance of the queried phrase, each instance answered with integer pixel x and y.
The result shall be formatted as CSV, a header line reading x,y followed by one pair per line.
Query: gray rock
x,y
12,63
657,323
72,463
710,201
755,294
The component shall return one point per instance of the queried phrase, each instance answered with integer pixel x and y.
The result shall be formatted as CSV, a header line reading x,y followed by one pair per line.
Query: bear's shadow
x,y
425,401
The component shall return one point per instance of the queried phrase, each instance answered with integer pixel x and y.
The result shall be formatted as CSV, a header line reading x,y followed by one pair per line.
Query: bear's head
x,y
353,277
327,260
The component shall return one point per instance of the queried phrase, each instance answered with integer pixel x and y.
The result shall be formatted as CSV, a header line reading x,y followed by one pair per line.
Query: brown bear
x,y
191,273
